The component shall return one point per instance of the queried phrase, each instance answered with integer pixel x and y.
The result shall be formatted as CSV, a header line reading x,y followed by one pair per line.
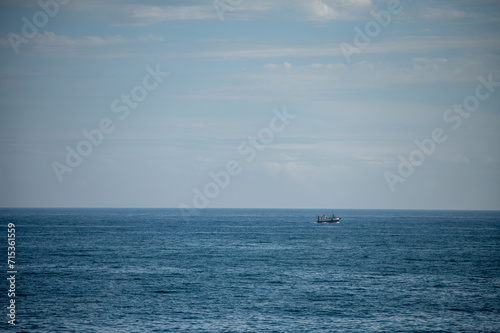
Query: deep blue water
x,y
147,270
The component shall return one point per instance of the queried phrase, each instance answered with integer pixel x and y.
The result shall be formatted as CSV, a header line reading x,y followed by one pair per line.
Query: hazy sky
x,y
302,103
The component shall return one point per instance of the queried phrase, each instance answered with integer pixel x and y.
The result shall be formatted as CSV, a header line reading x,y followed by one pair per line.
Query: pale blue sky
x,y
354,119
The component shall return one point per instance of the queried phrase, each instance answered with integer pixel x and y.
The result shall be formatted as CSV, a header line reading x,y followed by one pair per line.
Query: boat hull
x,y
330,220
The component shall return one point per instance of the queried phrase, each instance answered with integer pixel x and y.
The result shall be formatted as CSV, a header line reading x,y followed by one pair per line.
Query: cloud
x,y
329,10
428,64
313,10
304,172
334,80
147,12
431,13
243,51
145,15
51,39
489,159
415,45
135,13
51,44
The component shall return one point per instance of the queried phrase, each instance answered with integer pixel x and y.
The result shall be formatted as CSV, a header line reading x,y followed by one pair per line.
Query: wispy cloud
x,y
402,45
51,44
329,10
125,12
145,15
331,80
51,39
432,13
314,10
268,51
134,13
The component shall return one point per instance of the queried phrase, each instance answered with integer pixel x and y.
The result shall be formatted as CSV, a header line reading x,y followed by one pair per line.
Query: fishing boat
x,y
326,219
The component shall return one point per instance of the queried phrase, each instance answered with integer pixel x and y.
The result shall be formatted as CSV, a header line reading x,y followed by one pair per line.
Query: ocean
x,y
252,270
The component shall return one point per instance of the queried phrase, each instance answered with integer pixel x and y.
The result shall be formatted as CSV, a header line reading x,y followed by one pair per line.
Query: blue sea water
x,y
226,270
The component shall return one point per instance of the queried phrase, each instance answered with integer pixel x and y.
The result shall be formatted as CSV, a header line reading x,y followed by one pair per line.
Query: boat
x,y
326,219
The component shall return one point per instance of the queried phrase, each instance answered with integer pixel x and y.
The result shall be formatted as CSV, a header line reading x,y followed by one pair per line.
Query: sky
x,y
338,104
